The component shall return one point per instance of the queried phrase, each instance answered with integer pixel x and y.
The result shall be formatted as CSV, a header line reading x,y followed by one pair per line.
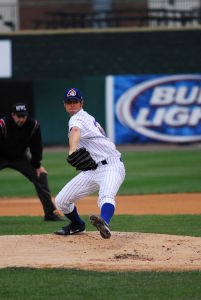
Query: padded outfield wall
x,y
51,61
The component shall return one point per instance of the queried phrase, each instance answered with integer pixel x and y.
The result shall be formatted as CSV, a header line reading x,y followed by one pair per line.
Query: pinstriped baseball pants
x,y
106,178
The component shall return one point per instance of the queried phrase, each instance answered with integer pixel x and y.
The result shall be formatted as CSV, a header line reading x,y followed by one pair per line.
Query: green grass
x,y
173,171
162,172
170,224
19,284
147,173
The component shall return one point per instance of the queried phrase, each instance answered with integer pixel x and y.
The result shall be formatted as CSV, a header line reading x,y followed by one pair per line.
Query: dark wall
x,y
51,62
13,92
56,56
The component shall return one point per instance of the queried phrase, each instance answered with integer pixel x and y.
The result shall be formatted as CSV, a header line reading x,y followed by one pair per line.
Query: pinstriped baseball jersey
x,y
92,137
108,176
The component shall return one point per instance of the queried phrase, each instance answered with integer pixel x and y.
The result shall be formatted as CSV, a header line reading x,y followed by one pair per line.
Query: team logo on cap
x,y
20,108
72,92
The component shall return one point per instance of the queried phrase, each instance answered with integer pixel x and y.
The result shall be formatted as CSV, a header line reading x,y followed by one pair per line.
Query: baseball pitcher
x,y
101,166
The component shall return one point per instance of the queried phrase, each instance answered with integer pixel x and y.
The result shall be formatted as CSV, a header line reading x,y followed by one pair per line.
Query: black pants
x,y
24,166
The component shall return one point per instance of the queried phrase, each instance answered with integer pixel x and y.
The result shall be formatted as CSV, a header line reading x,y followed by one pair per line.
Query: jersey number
x,y
99,128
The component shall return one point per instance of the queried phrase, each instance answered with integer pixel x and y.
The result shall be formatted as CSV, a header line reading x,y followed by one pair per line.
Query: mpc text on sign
x,y
165,108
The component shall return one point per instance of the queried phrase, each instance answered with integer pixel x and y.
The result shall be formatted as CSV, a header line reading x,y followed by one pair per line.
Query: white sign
x,y
5,59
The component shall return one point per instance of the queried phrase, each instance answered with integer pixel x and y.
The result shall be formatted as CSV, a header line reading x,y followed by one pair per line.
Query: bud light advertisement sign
x,y
153,108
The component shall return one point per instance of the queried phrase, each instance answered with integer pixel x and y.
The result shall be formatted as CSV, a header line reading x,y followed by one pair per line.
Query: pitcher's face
x,y
73,106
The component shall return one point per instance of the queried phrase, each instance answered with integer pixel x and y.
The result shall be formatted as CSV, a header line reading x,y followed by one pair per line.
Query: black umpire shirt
x,y
15,140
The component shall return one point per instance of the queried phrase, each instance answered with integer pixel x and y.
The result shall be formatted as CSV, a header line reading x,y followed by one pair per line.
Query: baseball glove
x,y
82,160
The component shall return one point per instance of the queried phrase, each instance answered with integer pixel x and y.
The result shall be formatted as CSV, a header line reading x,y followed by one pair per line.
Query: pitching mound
x,y
124,251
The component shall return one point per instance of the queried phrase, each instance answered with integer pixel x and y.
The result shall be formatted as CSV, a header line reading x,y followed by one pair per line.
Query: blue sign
x,y
165,108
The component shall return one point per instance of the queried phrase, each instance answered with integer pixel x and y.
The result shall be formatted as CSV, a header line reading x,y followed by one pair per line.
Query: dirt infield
x,y
136,205
124,251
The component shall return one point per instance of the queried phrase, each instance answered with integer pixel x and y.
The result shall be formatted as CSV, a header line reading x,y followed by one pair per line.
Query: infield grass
x,y
22,283
172,171
169,224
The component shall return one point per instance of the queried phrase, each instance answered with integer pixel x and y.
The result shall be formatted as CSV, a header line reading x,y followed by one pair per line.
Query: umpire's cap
x,y
72,93
20,109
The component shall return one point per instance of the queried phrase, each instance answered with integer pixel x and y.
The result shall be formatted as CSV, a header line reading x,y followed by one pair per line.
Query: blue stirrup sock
x,y
74,217
107,211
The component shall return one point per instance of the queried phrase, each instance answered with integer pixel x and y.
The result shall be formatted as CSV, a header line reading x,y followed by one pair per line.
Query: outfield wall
x,y
51,61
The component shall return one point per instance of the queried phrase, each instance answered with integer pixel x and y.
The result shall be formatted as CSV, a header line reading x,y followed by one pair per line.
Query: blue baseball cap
x,y
72,93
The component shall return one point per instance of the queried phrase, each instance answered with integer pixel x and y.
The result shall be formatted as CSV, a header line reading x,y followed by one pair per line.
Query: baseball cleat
x,y
71,229
101,225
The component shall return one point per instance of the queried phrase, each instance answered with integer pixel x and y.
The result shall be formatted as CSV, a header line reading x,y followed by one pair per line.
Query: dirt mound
x,y
124,251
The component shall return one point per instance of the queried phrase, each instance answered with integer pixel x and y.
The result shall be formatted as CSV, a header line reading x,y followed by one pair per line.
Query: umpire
x,y
21,149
